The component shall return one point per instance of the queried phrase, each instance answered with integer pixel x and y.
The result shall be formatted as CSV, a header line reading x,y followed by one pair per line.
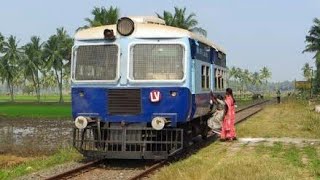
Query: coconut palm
x,y
48,81
307,71
168,17
57,51
246,75
1,42
265,75
313,45
9,63
181,20
102,16
32,63
256,79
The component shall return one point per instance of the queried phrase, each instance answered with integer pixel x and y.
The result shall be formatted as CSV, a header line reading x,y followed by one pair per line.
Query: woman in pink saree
x,y
228,131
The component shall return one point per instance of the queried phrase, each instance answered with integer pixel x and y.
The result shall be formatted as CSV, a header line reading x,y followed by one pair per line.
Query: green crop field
x,y
35,110
30,98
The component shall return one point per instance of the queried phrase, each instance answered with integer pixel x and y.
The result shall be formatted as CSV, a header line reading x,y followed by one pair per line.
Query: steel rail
x,y
70,173
149,170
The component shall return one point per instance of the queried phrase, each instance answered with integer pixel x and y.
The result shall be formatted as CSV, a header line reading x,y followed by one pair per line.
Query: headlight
x,y
125,26
158,123
81,122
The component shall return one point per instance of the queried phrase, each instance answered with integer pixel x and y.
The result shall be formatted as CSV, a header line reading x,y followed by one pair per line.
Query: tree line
x,y
39,65
244,80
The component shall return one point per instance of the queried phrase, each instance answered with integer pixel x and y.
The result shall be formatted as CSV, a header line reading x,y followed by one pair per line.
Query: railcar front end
x,y
130,92
140,89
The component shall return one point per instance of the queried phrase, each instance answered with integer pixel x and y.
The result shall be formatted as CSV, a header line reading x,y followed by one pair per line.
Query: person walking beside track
x,y
278,96
228,131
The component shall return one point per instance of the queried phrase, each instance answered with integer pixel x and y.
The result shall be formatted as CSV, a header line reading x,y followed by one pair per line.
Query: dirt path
x,y
286,140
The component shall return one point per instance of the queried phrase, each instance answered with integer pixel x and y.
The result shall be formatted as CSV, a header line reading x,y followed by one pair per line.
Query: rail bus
x,y
141,89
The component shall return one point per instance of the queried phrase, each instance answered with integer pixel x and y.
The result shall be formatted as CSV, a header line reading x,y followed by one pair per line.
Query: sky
x,y
254,33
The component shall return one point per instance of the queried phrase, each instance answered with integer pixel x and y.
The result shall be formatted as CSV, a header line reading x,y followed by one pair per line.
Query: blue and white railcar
x,y
141,89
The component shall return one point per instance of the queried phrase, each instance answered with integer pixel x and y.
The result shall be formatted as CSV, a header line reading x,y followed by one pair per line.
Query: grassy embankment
x,y
12,166
234,160
27,107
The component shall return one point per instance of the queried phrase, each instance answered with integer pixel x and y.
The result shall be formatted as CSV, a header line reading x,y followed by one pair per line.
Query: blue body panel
x,y
94,103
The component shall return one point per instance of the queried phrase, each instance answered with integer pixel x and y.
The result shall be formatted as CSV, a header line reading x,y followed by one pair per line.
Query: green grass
x,y
35,110
237,161
64,155
291,118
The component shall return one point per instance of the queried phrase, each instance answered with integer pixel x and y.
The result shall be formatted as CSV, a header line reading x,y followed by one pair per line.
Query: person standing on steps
x,y
215,122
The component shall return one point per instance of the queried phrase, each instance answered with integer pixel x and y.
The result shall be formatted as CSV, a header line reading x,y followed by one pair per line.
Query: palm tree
x,y
167,17
307,71
256,79
33,63
313,45
181,20
57,51
102,16
265,75
48,80
246,75
9,63
1,42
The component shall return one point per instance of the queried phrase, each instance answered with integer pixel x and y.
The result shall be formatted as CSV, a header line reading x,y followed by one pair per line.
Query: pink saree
x,y
228,130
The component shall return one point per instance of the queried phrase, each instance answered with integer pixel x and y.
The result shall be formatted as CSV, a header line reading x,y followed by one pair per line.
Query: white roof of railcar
x,y
143,30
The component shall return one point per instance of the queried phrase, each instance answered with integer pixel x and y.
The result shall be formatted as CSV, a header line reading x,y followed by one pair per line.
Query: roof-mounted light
x,y
108,34
125,26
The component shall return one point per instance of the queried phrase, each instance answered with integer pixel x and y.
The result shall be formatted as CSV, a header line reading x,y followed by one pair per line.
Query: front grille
x,y
124,101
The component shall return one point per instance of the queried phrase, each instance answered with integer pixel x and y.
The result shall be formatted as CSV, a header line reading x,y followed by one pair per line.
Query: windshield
x,y
157,62
98,62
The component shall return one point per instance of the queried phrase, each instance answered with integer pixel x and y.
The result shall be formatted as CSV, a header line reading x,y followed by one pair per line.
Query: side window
x,y
222,79
219,79
205,77
215,78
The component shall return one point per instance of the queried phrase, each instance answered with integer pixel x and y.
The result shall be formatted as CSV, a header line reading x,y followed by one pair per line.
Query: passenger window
x,y
205,77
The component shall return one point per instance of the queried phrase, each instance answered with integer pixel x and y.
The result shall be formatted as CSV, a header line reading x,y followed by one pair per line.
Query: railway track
x,y
148,169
